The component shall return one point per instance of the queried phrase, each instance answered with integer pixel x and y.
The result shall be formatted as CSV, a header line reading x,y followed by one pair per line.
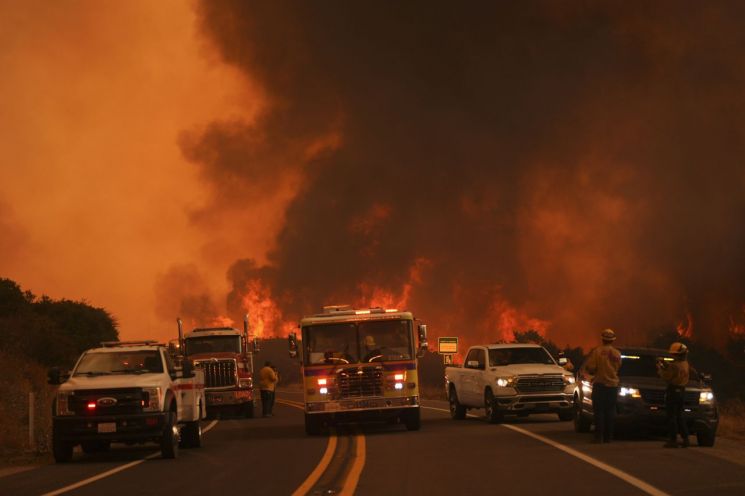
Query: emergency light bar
x,y
116,344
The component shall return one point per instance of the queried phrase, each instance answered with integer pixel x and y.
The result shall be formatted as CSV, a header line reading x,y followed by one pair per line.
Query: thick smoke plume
x,y
493,166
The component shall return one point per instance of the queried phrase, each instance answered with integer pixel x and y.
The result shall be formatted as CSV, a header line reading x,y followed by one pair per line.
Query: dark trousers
x,y
675,407
604,410
267,402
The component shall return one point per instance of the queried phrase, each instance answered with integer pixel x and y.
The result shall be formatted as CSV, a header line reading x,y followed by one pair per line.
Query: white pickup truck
x,y
127,392
516,379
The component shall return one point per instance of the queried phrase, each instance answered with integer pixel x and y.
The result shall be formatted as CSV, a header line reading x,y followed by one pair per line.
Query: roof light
x,y
391,310
630,357
362,312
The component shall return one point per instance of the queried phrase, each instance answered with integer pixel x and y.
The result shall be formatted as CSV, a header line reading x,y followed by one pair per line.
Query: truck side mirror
x,y
292,344
53,376
256,345
563,361
423,345
187,369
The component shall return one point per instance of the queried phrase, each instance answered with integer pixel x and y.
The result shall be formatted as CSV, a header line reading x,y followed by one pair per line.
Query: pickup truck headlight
x,y
633,392
505,381
151,399
63,404
706,397
569,379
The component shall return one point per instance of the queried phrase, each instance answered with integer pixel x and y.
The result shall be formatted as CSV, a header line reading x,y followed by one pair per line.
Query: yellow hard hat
x,y
678,348
608,335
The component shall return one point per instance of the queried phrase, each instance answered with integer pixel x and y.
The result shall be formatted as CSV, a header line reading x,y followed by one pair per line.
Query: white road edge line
x,y
624,476
116,470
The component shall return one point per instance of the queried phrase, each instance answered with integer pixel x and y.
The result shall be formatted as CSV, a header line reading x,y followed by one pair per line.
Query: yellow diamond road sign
x,y
447,345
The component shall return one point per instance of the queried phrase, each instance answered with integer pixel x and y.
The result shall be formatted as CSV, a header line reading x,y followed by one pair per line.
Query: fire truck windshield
x,y
213,344
363,342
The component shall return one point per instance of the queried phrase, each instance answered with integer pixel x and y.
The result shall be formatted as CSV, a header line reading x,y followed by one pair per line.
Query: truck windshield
x,y
509,356
638,366
120,362
213,344
361,342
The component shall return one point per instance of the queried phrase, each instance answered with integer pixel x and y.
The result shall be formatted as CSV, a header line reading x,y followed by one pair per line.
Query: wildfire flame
x,y
685,328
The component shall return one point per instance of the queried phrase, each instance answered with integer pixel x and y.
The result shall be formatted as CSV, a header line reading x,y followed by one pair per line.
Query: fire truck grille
x,y
657,397
125,401
360,382
539,384
219,373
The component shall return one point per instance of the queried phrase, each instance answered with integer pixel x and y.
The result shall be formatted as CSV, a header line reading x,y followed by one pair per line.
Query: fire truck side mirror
x,y
292,343
423,345
256,345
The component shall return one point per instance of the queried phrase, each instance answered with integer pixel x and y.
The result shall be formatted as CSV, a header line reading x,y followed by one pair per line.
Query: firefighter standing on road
x,y
267,381
603,363
676,374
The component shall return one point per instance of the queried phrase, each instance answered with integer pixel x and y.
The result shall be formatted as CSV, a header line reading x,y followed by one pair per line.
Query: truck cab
x,y
128,392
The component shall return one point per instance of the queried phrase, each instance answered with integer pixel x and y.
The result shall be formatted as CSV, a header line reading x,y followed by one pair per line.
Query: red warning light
x,y
92,405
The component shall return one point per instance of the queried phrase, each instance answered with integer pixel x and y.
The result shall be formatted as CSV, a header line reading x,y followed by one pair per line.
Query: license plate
x,y
332,406
107,427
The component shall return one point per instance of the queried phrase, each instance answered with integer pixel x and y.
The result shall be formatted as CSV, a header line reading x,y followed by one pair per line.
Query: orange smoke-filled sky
x,y
95,193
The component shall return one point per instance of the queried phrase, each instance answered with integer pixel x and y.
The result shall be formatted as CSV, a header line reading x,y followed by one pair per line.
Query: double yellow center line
x,y
341,464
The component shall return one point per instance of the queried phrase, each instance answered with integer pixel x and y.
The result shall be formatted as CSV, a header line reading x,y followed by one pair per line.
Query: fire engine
x,y
226,356
359,365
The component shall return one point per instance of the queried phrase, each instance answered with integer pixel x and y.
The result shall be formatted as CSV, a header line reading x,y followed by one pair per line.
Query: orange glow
x,y
685,328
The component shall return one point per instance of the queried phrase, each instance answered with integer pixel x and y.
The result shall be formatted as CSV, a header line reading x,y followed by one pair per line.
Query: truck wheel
x,y
582,422
62,450
706,437
248,409
170,440
191,435
90,447
313,424
493,415
457,411
413,419
566,414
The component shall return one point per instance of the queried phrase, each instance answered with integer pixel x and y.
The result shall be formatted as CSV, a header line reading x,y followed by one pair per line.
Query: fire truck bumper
x,y
362,405
233,397
137,427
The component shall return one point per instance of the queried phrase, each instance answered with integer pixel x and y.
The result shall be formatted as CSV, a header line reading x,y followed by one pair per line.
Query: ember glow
x,y
510,166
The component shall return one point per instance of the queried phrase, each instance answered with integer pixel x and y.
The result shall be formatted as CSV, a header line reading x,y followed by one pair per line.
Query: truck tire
x,y
413,419
582,422
493,415
457,411
191,435
313,424
170,440
91,447
706,437
566,414
62,450
248,409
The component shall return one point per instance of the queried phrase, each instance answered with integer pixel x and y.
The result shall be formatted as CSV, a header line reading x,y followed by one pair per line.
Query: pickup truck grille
x,y
657,397
218,373
125,401
359,382
539,384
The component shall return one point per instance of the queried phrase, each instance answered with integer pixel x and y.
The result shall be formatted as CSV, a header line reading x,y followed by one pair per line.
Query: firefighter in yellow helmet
x,y
676,375
603,363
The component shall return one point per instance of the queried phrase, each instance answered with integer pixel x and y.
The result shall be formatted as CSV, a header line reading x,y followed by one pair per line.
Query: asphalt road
x,y
536,455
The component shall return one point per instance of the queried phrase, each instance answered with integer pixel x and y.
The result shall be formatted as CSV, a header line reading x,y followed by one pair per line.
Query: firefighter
x,y
676,375
603,363
268,380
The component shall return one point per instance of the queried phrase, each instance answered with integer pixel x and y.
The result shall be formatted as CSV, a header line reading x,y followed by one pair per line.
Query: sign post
x,y
447,347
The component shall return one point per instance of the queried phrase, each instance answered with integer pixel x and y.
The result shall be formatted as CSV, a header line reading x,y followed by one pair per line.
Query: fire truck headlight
x,y
324,390
706,397
63,404
399,385
245,383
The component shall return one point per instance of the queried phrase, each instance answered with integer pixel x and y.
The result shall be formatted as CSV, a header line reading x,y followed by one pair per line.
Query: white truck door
x,y
472,371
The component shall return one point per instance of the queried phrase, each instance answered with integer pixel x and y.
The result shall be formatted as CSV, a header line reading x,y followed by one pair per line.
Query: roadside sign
x,y
447,345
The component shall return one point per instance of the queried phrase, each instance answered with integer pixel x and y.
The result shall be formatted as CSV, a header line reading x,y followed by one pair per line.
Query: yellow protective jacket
x,y
603,363
676,373
267,378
